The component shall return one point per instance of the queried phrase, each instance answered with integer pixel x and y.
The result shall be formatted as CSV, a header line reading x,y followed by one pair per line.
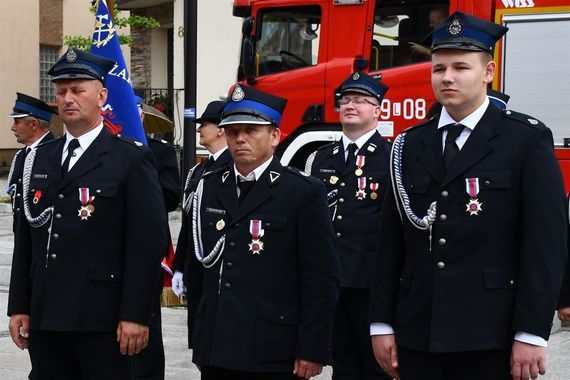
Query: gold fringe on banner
x,y
169,299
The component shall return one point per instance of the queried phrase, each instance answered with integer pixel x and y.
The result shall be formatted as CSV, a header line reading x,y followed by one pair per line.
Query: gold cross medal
x,y
87,209
473,207
361,193
256,231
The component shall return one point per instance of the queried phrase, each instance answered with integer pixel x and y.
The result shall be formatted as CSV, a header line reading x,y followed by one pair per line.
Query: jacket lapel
x,y
476,147
52,165
337,157
431,155
227,194
261,192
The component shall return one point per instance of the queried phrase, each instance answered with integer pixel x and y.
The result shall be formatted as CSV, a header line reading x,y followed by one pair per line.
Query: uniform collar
x,y
35,143
469,122
218,153
255,174
84,140
359,142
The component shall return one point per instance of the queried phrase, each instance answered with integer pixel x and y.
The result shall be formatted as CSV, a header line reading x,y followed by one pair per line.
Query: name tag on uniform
x,y
327,170
39,176
216,211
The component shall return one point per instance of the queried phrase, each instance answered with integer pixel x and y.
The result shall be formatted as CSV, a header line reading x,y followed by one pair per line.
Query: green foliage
x,y
84,43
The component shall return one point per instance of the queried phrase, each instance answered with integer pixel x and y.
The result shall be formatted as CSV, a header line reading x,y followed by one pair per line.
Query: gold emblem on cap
x,y
220,224
356,76
238,93
71,56
455,27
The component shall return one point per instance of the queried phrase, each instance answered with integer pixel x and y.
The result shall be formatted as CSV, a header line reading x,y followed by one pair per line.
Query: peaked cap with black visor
x,y
247,105
362,83
466,32
29,106
78,64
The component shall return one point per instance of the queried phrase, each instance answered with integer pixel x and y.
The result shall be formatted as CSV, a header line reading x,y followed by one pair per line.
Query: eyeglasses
x,y
355,100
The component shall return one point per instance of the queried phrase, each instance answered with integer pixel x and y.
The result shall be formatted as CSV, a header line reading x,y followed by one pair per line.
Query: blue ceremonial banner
x,y
121,113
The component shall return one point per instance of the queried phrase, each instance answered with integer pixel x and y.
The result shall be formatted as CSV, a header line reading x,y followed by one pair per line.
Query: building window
x,y
48,57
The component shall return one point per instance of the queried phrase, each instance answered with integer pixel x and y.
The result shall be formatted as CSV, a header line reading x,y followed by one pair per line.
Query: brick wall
x,y
51,22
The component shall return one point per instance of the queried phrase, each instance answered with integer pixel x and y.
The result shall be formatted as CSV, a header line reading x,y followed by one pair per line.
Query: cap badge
x,y
356,76
71,56
238,93
455,27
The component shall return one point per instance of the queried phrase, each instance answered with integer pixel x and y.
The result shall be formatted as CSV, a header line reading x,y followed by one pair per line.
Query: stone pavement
x,y
15,365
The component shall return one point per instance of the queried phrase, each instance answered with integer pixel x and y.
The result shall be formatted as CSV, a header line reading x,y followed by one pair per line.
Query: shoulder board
x,y
299,173
212,172
417,126
524,119
52,141
326,146
136,143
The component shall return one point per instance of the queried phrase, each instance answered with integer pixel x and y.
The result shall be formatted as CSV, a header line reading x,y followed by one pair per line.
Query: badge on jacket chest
x,y
361,192
87,209
256,231
473,207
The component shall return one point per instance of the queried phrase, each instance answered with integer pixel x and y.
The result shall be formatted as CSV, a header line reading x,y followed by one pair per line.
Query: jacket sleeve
x,y
564,297
169,177
388,262
19,298
145,239
319,277
543,237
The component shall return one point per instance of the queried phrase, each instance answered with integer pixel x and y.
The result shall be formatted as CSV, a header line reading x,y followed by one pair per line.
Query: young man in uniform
x,y
355,172
467,289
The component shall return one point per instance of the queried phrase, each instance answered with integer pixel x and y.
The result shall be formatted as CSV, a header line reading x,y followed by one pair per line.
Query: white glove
x,y
177,283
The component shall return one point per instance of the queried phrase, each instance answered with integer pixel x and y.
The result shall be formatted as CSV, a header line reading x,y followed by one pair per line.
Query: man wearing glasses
x,y
354,171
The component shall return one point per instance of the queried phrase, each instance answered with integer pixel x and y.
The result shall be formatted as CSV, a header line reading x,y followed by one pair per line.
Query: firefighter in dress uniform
x,y
32,119
213,139
472,240
88,252
263,278
355,172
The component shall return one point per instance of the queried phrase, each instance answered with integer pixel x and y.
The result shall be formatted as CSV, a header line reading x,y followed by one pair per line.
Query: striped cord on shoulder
x,y
309,162
187,198
11,188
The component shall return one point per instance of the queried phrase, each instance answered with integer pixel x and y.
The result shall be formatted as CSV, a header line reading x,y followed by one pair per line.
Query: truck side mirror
x,y
247,49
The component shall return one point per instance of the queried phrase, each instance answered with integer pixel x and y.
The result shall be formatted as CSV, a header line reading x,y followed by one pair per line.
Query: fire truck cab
x,y
303,50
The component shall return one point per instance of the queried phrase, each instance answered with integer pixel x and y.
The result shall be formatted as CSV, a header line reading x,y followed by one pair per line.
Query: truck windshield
x,y
287,39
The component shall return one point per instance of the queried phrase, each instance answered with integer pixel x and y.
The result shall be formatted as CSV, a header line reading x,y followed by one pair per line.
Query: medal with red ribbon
x,y
373,188
360,160
256,231
86,210
361,192
472,188
37,196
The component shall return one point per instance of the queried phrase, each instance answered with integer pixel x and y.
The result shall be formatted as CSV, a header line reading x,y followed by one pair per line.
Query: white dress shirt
x,y
84,141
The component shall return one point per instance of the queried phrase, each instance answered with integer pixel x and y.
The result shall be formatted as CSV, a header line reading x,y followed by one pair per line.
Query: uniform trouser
x,y
353,357
215,373
77,356
471,365
149,363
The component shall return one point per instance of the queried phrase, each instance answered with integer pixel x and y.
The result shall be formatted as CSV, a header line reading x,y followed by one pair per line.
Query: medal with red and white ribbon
x,y
361,192
256,231
37,196
472,188
86,210
373,188
360,161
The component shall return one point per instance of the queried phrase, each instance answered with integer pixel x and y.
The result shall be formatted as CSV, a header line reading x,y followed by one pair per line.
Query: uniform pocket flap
x,y
418,185
104,273
495,279
272,222
278,313
497,179
101,189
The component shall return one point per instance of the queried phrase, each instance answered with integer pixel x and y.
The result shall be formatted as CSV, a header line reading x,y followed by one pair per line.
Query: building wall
x,y
25,25
19,36
159,54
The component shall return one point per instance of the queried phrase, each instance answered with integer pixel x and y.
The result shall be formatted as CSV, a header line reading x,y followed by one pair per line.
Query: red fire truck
x,y
303,49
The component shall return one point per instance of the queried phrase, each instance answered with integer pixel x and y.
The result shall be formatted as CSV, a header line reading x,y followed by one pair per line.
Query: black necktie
x,y
73,144
451,149
244,188
350,157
